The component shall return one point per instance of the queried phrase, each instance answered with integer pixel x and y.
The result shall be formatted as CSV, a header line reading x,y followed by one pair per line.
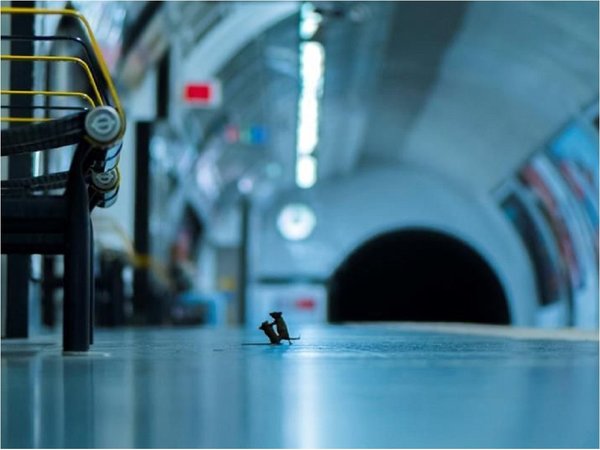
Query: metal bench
x,y
50,214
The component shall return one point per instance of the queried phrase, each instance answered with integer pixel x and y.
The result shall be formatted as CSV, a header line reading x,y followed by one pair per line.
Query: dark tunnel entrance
x,y
416,275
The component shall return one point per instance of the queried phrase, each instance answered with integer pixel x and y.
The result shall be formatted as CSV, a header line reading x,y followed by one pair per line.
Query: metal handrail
x,y
95,47
72,59
82,95
77,40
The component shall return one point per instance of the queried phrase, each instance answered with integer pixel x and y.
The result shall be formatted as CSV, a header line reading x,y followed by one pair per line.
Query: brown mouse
x,y
281,326
268,329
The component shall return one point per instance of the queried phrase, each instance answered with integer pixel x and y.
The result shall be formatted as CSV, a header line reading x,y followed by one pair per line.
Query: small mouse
x,y
268,329
281,326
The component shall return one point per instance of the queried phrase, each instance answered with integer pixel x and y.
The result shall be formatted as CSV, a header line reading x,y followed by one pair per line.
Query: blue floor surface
x,y
386,385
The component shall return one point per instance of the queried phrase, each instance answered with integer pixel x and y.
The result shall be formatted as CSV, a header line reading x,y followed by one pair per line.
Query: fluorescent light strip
x,y
312,67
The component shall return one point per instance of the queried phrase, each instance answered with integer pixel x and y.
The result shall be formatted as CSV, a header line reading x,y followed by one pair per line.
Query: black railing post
x,y
92,284
48,289
243,257
77,282
18,266
141,279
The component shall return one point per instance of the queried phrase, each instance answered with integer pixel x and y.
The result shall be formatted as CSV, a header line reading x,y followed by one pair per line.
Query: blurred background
x,y
339,161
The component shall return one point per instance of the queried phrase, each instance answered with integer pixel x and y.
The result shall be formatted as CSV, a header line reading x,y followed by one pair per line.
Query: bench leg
x,y
92,286
77,282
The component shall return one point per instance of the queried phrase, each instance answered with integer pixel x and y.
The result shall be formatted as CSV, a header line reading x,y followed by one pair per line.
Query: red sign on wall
x,y
205,94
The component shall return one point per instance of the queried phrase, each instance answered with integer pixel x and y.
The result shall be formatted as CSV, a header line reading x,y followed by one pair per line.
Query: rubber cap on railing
x,y
103,124
106,181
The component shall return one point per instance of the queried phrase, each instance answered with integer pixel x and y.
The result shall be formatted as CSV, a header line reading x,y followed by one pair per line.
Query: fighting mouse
x,y
268,329
281,326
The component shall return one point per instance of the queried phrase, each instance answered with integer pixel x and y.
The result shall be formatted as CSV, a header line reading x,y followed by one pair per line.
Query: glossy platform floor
x,y
387,385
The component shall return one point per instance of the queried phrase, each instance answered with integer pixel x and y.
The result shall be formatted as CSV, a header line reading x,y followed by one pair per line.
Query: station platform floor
x,y
349,386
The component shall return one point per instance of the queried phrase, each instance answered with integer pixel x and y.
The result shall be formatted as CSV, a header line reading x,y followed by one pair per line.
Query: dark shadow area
x,y
416,275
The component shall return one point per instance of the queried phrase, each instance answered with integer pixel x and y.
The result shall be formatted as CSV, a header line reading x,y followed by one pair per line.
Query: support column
x,y
141,292
243,257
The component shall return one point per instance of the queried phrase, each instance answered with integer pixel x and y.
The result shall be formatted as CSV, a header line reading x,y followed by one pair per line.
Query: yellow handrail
x,y
82,95
24,119
49,93
94,43
138,260
72,59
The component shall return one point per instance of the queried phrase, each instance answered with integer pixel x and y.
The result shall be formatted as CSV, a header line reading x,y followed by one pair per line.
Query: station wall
x,y
354,209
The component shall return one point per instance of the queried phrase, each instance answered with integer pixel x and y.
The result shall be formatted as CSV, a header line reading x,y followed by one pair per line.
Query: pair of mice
x,y
282,333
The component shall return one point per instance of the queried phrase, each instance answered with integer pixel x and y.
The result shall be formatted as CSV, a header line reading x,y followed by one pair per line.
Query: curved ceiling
x,y
463,88
515,73
468,89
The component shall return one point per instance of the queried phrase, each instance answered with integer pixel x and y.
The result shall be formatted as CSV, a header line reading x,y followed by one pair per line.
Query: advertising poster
x,y
554,210
548,273
575,153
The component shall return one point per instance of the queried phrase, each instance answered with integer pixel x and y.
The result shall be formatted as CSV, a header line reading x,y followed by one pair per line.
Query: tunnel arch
x,y
416,274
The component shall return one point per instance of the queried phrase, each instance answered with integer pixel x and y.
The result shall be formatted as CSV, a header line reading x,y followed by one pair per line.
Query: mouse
x,y
268,329
281,326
